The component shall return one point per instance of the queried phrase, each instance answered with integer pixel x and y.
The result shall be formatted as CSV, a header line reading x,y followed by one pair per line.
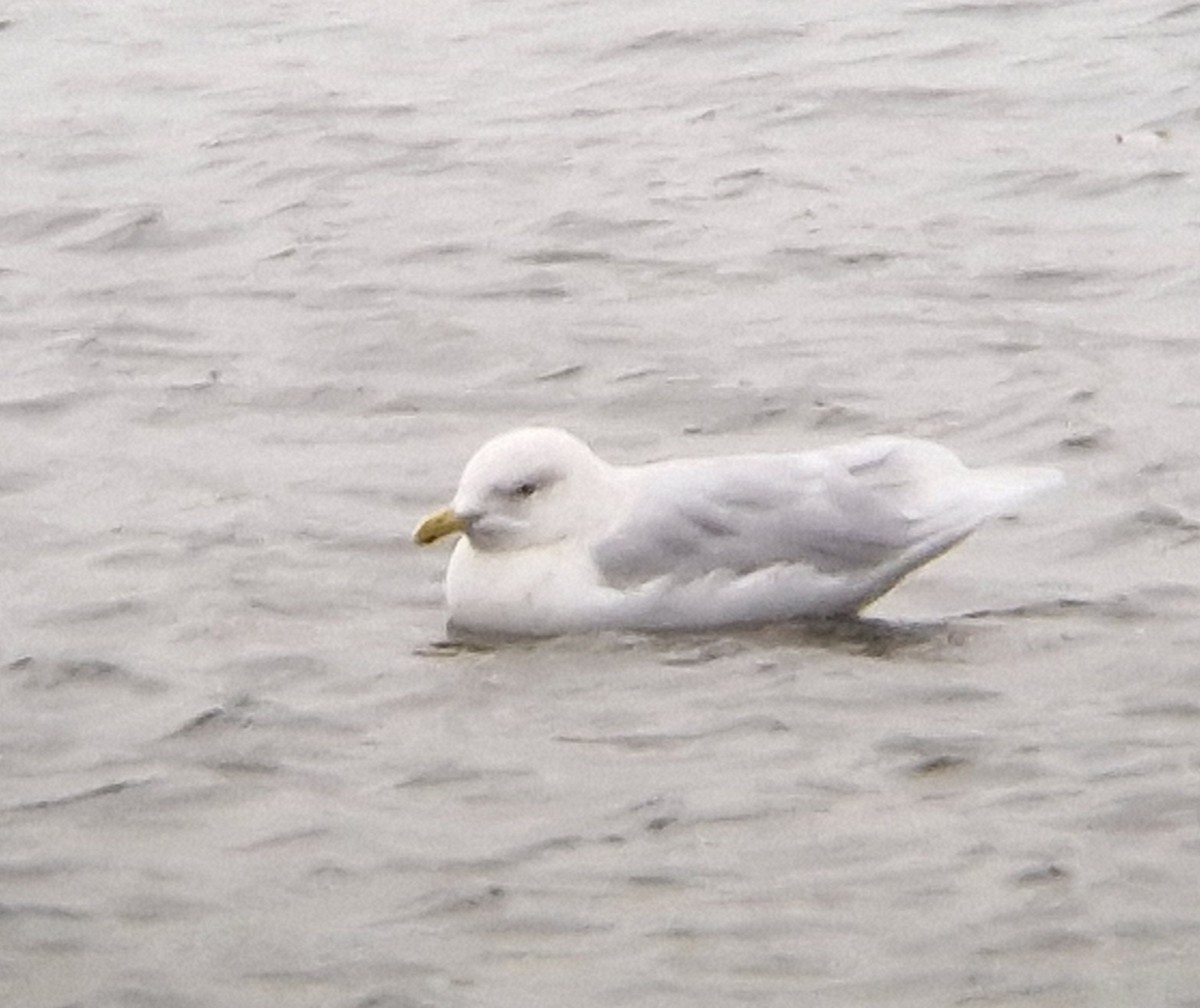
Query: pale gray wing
x,y
841,510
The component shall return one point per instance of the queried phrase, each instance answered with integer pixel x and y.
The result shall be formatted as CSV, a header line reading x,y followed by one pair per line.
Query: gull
x,y
555,540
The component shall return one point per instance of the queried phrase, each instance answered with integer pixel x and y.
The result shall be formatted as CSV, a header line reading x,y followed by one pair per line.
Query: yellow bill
x,y
436,526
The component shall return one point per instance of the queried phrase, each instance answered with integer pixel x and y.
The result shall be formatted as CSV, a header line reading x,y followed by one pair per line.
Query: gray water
x,y
270,271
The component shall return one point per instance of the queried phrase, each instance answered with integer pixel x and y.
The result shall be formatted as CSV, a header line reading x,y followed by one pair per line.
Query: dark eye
x,y
535,482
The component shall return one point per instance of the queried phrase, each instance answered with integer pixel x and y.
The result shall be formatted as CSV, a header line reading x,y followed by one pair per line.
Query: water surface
x,y
270,271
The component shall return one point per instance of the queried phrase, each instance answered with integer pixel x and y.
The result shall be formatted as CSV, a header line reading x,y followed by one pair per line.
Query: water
x,y
271,271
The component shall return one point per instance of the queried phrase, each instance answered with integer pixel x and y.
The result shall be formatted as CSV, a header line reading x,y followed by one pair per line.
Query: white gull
x,y
556,540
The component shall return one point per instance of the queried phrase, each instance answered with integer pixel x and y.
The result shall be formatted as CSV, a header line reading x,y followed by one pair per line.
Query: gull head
x,y
530,487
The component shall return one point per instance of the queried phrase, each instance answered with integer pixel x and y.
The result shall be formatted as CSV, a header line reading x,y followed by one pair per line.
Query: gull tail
x,y
956,507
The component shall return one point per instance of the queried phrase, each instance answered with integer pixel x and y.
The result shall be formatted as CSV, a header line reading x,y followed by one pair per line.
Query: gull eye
x,y
526,489
531,484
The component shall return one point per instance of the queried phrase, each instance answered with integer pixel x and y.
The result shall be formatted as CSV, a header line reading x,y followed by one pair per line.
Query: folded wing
x,y
881,505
